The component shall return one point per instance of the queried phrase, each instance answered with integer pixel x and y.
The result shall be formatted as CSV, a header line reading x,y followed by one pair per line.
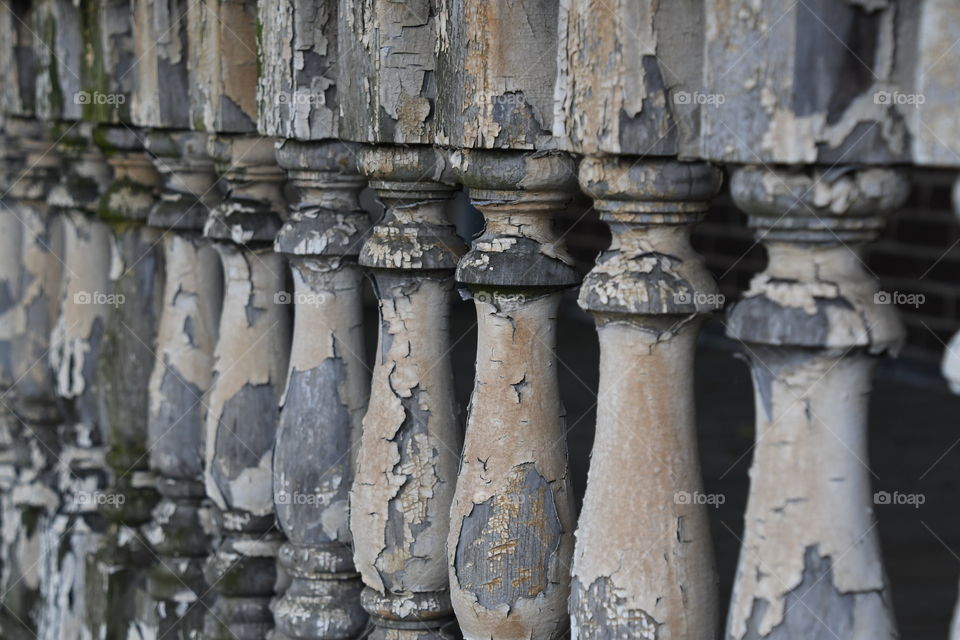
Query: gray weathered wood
x,y
809,82
325,396
250,364
400,501
812,325
34,496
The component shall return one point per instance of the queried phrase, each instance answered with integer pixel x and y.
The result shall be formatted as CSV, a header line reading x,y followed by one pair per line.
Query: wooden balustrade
x,y
192,443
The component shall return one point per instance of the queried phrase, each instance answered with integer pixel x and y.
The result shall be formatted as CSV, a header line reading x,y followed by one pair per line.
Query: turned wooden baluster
x,y
253,345
86,294
251,360
34,495
400,501
643,563
180,527
409,450
118,572
811,328
182,372
327,383
325,396
512,519
810,561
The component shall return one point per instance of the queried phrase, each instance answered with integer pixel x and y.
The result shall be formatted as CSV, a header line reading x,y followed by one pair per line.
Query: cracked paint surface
x,y
511,535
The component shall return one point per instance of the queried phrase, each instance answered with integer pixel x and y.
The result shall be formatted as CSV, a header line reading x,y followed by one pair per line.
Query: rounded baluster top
x,y
517,193
818,205
190,182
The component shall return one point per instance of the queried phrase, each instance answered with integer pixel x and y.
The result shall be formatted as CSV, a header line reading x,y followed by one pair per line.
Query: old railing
x,y
193,445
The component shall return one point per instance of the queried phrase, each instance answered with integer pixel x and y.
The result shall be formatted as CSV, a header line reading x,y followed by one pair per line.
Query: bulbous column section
x,y
250,362
512,519
400,501
643,564
34,494
812,325
181,375
85,299
117,573
326,394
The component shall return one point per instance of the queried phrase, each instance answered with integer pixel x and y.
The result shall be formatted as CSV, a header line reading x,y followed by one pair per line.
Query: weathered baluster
x,y
179,530
35,495
810,562
251,360
118,572
325,396
512,519
400,501
182,373
628,97
511,529
327,383
78,529
253,344
811,556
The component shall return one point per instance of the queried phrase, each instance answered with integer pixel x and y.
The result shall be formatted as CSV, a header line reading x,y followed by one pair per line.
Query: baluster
x,y
250,363
327,384
810,561
118,572
253,343
78,528
36,414
643,564
181,376
512,519
325,396
400,501
404,482
812,330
